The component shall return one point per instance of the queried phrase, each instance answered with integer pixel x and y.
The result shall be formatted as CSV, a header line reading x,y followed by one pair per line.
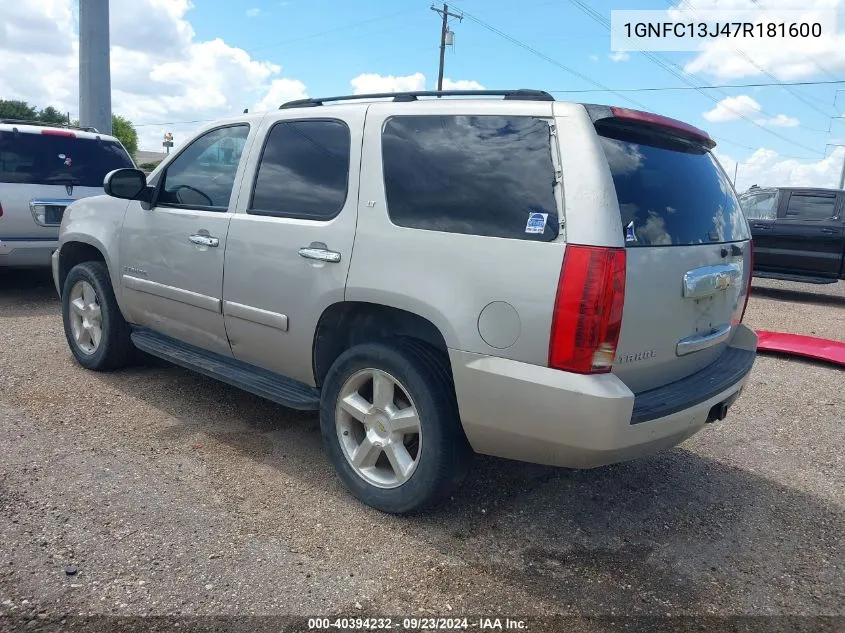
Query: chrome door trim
x,y
699,342
708,280
256,315
212,304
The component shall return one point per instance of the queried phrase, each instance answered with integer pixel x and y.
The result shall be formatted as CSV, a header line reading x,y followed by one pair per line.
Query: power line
x,y
709,87
679,74
747,58
545,57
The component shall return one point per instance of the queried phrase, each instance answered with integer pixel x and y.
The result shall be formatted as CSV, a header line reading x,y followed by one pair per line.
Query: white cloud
x,y
161,72
280,91
253,13
619,56
461,84
732,108
780,120
786,59
766,168
594,58
367,83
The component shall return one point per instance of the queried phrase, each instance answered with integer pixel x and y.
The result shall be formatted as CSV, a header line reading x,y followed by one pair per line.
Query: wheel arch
x,y
348,323
76,251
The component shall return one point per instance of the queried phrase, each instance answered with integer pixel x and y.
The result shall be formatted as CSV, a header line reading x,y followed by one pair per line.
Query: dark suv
x,y
799,233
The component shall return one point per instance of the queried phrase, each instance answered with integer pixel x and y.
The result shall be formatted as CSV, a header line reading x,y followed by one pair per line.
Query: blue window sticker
x,y
536,223
630,236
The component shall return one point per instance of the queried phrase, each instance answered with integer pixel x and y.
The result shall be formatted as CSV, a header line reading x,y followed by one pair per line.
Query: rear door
x,y
808,235
687,250
44,170
290,243
761,210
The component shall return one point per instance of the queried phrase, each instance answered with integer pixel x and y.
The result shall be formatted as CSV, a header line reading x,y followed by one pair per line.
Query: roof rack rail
x,y
46,124
517,95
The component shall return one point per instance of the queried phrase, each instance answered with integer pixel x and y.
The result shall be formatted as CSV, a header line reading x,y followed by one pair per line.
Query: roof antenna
x,y
246,110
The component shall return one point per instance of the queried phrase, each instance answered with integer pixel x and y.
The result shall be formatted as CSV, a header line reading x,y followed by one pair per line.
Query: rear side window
x,y
304,170
479,175
44,159
806,206
760,206
671,193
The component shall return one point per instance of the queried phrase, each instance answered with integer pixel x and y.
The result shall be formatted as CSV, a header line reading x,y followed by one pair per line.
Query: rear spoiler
x,y
625,117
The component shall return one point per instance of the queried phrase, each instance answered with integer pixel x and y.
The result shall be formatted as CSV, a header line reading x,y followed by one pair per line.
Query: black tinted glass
x,y
810,207
672,193
204,173
482,175
44,159
304,170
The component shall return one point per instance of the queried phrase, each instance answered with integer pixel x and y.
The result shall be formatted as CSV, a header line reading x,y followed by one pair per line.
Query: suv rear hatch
x,y
687,247
42,170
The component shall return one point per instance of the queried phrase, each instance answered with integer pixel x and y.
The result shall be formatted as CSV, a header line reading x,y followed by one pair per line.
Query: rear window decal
x,y
536,223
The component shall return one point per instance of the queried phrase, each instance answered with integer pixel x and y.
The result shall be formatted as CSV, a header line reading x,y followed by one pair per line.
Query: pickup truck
x,y
798,233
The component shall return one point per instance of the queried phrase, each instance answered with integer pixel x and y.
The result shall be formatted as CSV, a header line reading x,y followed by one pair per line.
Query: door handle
x,y
320,254
830,231
762,227
204,240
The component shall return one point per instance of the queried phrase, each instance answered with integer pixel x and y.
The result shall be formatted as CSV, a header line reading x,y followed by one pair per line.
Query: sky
x,y
179,63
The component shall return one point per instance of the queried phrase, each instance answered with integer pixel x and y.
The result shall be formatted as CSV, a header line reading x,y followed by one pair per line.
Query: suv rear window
x,y
43,159
671,193
479,175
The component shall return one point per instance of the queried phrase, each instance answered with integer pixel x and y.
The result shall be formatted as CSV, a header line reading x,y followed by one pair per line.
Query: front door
x,y
290,243
761,210
172,253
808,233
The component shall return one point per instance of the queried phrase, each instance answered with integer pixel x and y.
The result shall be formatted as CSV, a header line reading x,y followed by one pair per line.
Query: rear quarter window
x,y
478,175
42,159
671,193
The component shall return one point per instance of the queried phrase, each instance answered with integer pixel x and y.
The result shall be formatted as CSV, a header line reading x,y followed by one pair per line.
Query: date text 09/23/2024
x,y
417,624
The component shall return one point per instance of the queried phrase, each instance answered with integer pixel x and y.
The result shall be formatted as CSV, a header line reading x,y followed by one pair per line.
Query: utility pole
x,y
444,31
94,65
736,168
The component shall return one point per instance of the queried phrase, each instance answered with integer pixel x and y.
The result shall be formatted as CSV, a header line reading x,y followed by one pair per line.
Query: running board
x,y
798,278
263,383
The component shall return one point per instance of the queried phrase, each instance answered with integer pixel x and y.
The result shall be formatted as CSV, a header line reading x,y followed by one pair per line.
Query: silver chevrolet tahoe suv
x,y
43,168
551,282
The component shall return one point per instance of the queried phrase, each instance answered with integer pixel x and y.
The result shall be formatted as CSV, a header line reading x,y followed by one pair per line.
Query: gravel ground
x,y
172,493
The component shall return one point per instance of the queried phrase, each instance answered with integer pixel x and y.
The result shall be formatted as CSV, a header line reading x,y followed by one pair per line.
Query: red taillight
x,y
750,276
588,309
58,133
664,122
1,209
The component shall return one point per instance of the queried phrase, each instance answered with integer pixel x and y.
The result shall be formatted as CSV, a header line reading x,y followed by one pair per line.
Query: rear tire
x,y
95,329
389,420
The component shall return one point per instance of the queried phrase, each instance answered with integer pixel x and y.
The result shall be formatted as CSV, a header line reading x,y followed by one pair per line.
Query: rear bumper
x,y
26,253
535,414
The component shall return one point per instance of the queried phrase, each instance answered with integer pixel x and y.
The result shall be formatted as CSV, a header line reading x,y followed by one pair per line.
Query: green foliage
x,y
125,132
19,110
51,115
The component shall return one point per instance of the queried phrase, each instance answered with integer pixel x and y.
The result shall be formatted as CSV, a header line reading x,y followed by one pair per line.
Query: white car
x,y
43,168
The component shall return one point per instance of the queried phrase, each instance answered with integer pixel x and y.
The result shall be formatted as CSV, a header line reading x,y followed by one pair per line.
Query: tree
x,y
52,115
19,110
125,132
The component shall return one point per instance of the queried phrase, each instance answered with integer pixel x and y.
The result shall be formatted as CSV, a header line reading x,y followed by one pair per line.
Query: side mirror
x,y
129,184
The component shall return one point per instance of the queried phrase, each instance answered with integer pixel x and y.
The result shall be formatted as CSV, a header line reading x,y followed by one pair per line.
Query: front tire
x,y
95,329
389,420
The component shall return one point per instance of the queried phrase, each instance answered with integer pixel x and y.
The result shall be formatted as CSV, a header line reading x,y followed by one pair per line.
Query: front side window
x,y
479,175
203,175
805,206
760,206
304,170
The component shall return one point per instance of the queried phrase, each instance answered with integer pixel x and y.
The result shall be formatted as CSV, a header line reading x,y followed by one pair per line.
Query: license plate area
x,y
49,211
